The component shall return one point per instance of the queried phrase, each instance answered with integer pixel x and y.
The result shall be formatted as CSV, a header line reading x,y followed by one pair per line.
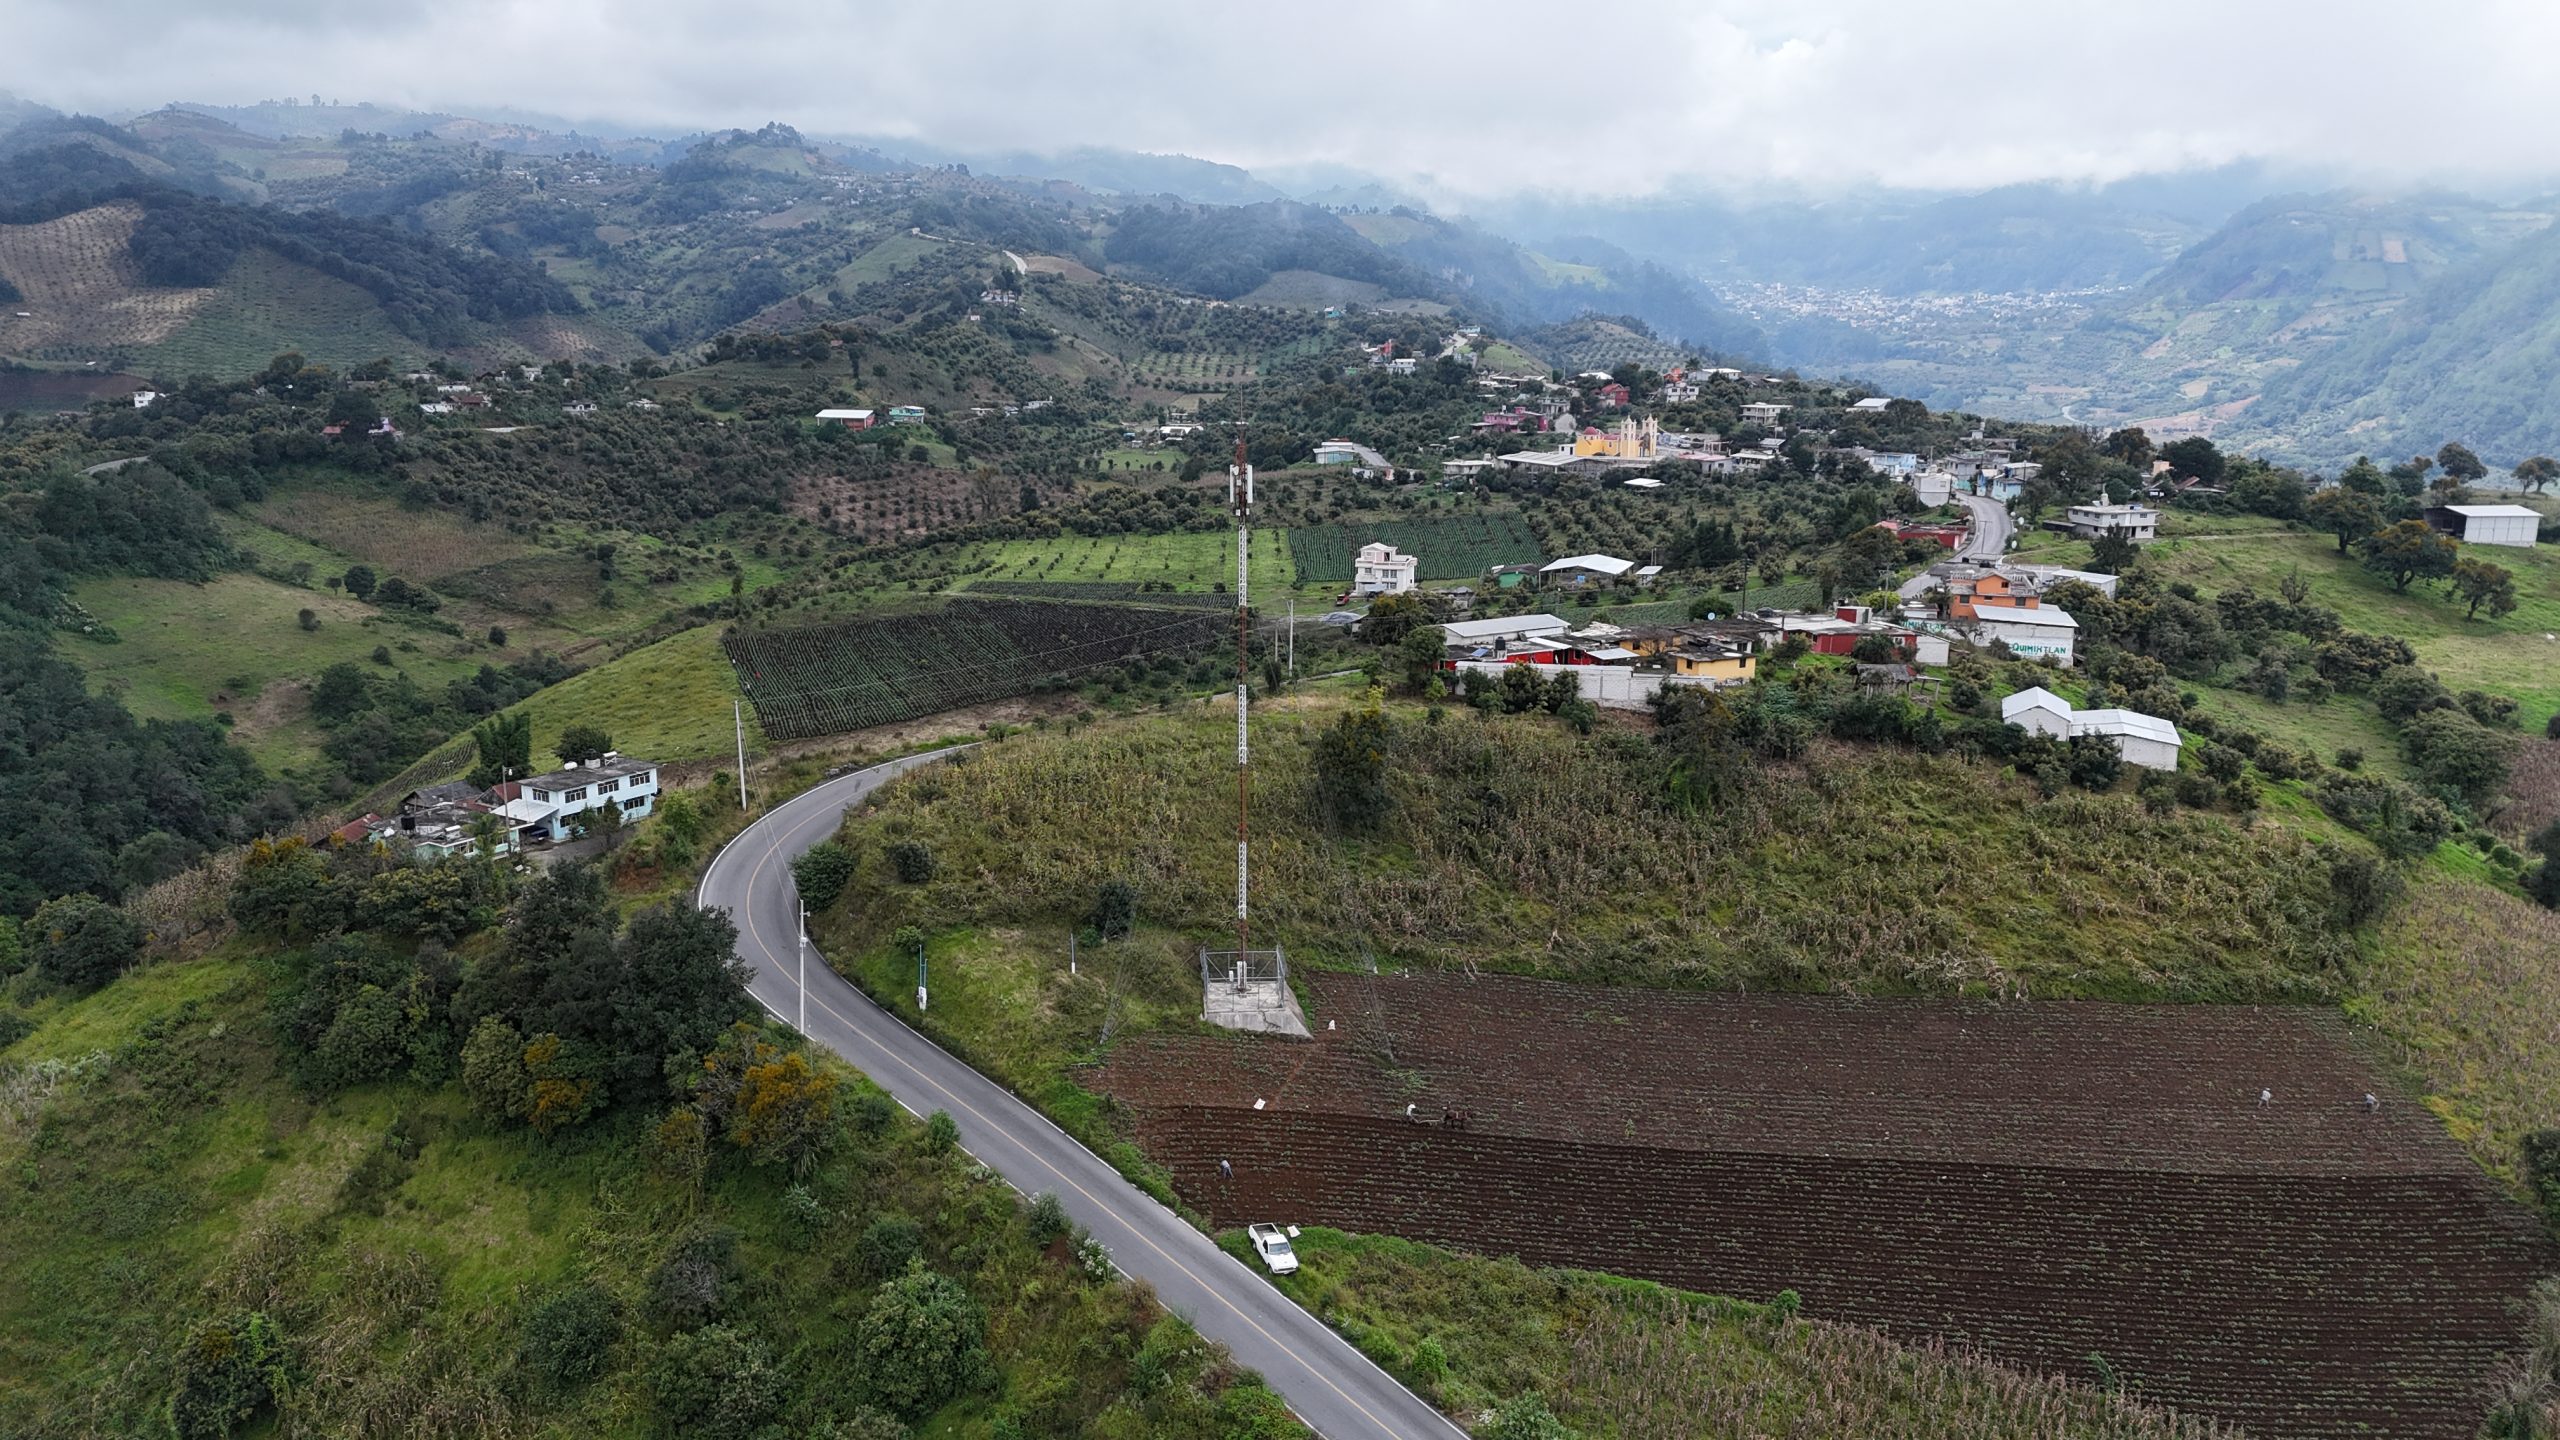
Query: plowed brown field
x,y
2045,1180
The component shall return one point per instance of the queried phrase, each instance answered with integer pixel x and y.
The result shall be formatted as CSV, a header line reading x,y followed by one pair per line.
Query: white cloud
x,y
1462,97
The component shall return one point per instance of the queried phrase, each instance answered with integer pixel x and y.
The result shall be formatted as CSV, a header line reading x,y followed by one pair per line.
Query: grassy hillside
x,y
407,1258
2454,977
1626,1359
236,646
1512,844
668,701
2510,654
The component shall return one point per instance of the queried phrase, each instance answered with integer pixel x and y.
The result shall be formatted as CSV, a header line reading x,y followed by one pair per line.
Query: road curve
x,y
1992,527
1336,1390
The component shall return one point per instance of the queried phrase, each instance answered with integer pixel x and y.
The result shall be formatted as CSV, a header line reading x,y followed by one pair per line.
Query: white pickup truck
x,y
1272,1244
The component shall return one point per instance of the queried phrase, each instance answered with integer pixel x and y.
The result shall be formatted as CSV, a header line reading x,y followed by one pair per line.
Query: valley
x,y
1759,972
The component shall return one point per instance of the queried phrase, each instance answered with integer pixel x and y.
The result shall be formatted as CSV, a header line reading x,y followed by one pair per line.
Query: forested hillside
x,y
429,292
94,800
2475,354
437,1153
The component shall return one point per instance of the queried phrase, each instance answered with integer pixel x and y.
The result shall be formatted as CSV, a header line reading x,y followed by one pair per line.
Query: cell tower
x,y
1245,988
1240,501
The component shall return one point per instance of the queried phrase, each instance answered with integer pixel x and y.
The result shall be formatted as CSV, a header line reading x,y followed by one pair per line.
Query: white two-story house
x,y
1381,569
546,807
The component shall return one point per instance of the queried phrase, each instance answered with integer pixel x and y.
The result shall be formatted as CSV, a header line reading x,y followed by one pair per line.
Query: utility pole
x,y
1240,500
804,967
1293,635
738,717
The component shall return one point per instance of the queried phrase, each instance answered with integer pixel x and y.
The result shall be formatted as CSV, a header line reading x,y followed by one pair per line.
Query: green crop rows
x,y
826,679
1450,547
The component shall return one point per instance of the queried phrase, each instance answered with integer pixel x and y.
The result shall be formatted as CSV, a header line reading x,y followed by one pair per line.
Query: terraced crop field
x,y
1450,547
1211,370
827,679
2045,1180
83,296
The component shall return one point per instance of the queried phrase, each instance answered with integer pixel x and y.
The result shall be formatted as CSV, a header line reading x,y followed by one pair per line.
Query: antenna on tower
x,y
1240,501
1244,989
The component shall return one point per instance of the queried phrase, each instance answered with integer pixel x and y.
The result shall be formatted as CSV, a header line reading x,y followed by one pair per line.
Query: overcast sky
x,y
1457,97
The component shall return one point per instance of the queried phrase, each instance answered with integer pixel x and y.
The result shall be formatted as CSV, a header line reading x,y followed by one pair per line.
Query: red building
x,y
1614,395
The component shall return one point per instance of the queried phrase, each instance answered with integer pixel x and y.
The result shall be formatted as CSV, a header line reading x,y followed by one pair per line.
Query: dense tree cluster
x,y
91,800
1227,250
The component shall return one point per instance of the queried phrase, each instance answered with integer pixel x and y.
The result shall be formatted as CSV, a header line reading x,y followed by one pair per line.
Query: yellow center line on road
x,y
755,875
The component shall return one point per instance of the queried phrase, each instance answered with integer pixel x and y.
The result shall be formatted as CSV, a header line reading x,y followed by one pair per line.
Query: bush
x,y
2283,762
82,942
1047,1218
804,1216
2350,758
941,1133
888,1246
2542,1170
862,1423
569,1338
912,862
14,1027
493,1074
2094,762
691,1283
1430,1362
1351,765
822,873
1115,909
1526,1417
228,1372
923,1342
2453,751
2362,887
715,1384
2404,691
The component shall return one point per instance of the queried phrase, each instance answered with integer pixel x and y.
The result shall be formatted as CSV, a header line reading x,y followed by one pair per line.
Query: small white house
x,y
2030,633
1764,413
1679,392
2487,524
2133,522
142,398
2038,711
547,807
1872,405
1584,569
1381,569
2145,740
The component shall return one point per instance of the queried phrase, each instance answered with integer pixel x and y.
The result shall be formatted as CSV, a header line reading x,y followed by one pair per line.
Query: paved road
x,y
1333,1387
1989,540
